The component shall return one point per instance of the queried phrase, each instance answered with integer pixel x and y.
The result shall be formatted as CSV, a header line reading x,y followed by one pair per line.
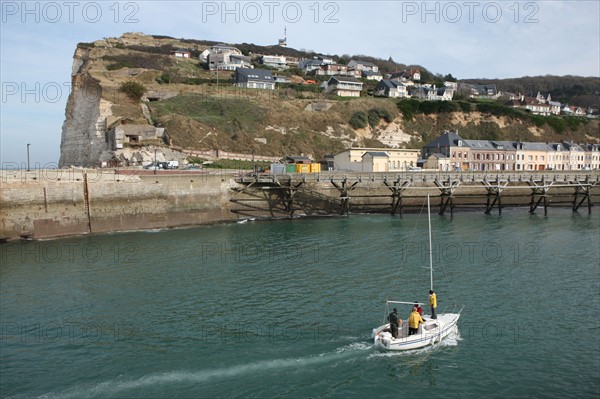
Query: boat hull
x,y
433,331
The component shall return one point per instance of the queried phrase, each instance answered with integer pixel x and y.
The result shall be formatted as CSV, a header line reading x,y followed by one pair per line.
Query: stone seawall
x,y
44,204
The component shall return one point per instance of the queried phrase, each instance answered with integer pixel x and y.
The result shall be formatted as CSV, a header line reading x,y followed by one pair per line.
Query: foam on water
x,y
118,385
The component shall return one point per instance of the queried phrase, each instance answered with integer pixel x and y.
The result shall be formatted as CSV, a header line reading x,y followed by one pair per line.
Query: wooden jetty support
x,y
447,189
344,188
495,192
337,193
397,188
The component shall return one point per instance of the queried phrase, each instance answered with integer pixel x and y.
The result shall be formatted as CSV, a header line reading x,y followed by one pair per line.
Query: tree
x,y
409,108
133,90
358,120
449,78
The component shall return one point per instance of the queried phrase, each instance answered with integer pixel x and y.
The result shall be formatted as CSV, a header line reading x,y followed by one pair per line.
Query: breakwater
x,y
43,204
49,203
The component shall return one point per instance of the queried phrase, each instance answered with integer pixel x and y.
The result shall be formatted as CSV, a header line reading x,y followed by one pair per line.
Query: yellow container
x,y
315,167
302,168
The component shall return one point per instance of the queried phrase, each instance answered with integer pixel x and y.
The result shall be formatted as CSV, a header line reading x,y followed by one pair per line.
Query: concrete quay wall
x,y
44,204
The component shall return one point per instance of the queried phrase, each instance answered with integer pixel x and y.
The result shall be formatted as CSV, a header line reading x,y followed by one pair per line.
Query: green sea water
x,y
286,308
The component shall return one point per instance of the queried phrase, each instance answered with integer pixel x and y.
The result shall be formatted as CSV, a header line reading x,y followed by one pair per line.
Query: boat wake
x,y
119,386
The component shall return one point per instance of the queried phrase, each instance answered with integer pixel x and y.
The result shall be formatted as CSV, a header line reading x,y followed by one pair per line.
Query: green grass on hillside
x,y
213,112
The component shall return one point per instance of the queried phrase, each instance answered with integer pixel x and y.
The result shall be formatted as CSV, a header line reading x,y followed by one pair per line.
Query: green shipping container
x,y
290,168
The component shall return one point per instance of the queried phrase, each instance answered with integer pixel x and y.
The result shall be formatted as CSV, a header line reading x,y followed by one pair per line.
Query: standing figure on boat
x,y
413,322
433,303
419,309
393,318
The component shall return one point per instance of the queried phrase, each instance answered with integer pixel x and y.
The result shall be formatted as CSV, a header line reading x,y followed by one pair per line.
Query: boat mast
x,y
430,249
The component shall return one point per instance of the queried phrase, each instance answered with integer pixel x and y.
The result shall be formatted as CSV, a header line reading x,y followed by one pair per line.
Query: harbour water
x,y
286,309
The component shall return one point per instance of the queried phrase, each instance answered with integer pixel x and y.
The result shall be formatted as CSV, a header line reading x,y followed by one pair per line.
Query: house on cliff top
x,y
254,79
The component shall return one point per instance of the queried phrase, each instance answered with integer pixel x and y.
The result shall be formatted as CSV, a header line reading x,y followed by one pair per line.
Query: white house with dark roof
x,y
390,88
474,90
309,64
331,70
371,75
407,77
534,105
433,93
274,61
254,79
343,86
363,66
224,58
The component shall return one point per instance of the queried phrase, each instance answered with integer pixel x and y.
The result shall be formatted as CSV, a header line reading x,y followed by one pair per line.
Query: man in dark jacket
x,y
393,318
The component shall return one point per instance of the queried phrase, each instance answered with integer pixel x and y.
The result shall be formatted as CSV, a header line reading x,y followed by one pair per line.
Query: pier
x,y
341,193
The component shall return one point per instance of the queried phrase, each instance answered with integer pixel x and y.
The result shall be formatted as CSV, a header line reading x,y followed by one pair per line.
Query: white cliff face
x,y
83,135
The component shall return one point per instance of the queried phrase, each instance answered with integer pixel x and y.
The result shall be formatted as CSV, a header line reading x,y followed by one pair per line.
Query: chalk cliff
x,y
83,141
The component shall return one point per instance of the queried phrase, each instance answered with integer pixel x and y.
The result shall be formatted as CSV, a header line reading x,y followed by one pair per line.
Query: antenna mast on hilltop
x,y
283,42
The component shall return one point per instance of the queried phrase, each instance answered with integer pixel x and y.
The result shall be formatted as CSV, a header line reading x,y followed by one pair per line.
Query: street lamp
x,y
28,145
155,164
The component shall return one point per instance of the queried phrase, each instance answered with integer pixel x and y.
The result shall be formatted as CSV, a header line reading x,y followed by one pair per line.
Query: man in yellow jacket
x,y
433,303
413,322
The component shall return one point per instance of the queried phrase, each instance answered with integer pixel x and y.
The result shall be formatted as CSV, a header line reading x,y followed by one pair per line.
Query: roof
x,y
438,156
370,73
240,57
347,79
508,145
448,139
388,83
297,158
376,154
255,74
405,74
309,61
572,146
480,144
224,47
535,146
367,63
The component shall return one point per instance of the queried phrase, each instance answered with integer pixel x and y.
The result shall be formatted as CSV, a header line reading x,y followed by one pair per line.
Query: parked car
x,y
154,166
172,165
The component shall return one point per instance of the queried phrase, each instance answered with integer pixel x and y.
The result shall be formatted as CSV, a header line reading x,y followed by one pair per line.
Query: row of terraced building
x,y
452,152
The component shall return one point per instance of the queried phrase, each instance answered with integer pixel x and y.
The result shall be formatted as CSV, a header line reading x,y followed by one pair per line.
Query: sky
x,y
469,39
